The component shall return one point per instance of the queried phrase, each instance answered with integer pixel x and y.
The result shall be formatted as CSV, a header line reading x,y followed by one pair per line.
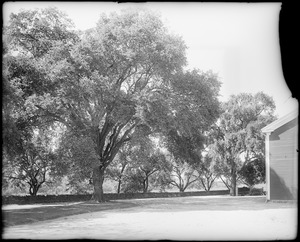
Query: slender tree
x,y
117,170
142,160
206,173
181,175
237,139
30,162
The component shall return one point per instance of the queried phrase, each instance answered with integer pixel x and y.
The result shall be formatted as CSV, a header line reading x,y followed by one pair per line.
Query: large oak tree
x,y
106,83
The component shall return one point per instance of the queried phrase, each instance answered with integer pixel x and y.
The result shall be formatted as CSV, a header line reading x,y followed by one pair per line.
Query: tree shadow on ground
x,y
176,204
12,217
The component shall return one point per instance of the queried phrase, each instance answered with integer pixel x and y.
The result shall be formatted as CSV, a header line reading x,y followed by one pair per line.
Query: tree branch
x,y
56,118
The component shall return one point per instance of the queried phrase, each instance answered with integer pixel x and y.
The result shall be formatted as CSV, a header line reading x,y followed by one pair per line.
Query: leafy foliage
x,y
112,87
28,41
34,32
119,76
30,162
206,173
140,173
135,167
237,139
253,173
117,170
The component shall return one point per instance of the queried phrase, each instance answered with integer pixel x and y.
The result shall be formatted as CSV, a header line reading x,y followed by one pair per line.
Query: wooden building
x,y
281,144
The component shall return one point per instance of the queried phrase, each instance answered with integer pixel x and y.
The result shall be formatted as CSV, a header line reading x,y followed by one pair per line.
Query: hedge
x,y
115,196
107,196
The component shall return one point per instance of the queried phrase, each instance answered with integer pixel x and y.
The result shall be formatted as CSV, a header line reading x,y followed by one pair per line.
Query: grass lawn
x,y
177,218
23,214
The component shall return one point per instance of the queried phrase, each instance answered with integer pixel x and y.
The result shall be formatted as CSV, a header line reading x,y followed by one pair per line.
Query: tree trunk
x,y
250,189
31,192
120,178
33,189
145,185
119,186
233,182
181,188
98,178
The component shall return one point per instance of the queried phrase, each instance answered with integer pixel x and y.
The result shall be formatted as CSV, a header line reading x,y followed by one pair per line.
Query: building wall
x,y
283,148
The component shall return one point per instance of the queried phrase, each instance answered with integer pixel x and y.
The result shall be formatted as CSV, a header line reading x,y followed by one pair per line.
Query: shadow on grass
x,y
12,217
212,203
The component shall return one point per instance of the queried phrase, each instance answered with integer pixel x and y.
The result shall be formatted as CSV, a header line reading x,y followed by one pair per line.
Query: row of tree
x,y
116,101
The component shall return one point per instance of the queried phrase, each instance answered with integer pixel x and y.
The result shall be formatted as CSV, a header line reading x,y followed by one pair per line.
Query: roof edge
x,y
279,122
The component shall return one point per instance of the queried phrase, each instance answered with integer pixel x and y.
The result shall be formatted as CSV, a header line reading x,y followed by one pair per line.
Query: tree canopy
x,y
237,139
119,82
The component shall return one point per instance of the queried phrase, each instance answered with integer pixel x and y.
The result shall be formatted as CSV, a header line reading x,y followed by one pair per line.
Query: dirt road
x,y
184,218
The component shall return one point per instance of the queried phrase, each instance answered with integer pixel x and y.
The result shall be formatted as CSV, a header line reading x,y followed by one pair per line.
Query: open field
x,y
180,218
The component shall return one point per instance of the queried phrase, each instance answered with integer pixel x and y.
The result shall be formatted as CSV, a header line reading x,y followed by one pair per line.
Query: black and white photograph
x,y
149,121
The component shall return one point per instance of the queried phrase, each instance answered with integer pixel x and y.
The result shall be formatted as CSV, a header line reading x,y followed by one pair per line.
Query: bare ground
x,y
180,218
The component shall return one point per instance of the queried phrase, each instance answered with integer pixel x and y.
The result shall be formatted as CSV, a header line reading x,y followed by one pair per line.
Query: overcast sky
x,y
238,41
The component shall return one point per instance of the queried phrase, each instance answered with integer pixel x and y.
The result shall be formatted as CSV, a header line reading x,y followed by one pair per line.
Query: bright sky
x,y
238,41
